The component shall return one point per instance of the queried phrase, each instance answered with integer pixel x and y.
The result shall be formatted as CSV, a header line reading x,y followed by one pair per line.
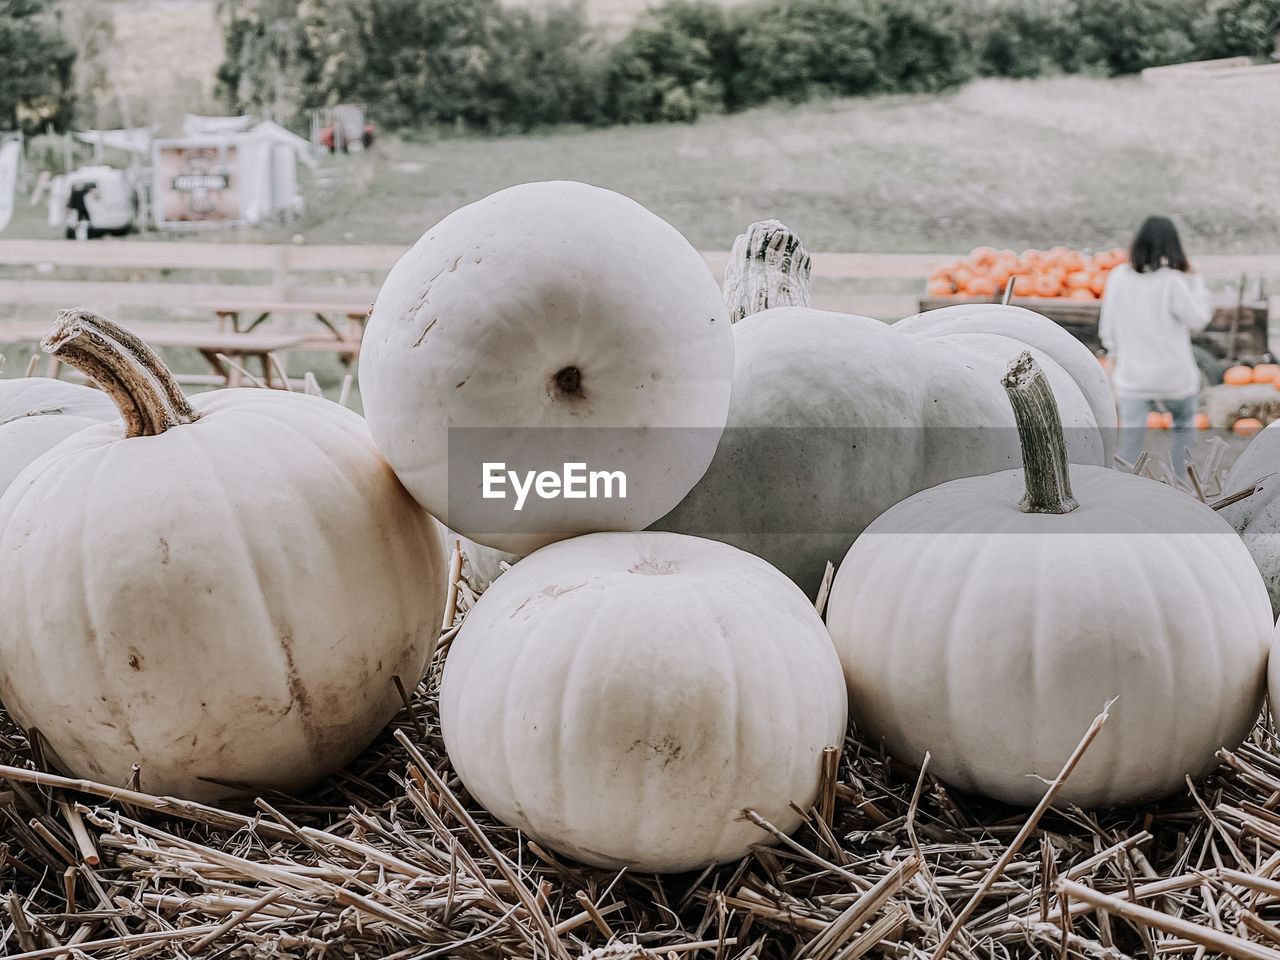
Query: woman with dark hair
x,y
1150,308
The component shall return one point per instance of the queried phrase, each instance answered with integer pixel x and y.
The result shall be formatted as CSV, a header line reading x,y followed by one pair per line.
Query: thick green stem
x,y
1044,448
127,370
768,267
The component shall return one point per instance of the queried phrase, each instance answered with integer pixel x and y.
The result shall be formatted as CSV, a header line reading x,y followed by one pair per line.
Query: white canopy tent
x,y
194,125
257,167
136,141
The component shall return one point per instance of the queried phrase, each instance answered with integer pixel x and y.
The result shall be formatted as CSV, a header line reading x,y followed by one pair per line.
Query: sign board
x,y
196,183
10,153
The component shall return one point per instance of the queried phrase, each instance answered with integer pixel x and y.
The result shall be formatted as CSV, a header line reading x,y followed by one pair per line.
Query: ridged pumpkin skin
x,y
859,414
622,697
1257,517
475,324
226,601
23,395
991,638
37,413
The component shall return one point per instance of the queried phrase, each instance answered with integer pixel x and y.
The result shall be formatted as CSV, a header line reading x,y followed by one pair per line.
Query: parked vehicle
x,y
106,196
351,145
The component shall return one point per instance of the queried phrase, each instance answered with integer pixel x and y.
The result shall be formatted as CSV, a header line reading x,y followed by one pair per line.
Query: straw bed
x,y
390,859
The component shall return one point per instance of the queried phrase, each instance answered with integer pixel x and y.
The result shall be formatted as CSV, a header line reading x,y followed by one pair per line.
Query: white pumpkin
x,y
988,629
20,396
37,413
1256,518
220,591
622,697
536,312
835,418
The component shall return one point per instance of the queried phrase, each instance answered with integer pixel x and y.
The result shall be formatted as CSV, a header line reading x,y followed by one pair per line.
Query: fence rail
x,y
868,283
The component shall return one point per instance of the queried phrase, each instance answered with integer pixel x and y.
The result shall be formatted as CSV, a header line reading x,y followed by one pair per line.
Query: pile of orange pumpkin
x,y
1058,272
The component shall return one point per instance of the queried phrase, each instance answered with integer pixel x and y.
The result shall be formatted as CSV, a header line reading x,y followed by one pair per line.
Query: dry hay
x,y
391,859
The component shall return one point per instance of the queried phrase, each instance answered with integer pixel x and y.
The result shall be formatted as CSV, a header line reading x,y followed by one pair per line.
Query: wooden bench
x,y
211,343
234,314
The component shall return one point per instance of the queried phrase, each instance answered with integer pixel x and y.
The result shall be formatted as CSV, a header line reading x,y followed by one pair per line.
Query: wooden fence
x,y
37,275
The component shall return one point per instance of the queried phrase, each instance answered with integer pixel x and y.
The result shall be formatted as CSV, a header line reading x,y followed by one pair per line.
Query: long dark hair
x,y
1157,245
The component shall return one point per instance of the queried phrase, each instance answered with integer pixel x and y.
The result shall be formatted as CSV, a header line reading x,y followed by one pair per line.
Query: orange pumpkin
x,y
1098,282
1081,293
982,285
1047,285
1202,421
1023,286
983,256
1159,421
1079,280
1247,427
1266,373
1237,376
1071,261
940,287
961,276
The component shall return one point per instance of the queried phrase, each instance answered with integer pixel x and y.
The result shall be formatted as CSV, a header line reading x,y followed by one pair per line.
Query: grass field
x,y
1070,160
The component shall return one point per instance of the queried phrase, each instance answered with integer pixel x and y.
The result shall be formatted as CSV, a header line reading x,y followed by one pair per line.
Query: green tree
x,y
1233,28
268,63
36,76
1127,36
414,63
89,29
549,70
674,64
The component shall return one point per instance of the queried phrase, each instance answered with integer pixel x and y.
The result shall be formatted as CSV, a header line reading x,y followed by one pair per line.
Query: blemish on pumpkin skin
x,y
135,661
558,591
422,336
297,689
664,749
164,550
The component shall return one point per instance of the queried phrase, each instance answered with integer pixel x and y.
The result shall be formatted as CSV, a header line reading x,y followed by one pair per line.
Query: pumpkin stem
x,y
127,370
1044,448
768,267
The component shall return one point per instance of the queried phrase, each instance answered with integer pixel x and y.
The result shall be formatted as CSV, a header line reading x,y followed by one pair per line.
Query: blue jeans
x,y
1133,427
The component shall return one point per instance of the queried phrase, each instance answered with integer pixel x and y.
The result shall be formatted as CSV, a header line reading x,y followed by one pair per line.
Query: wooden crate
x,y
1247,342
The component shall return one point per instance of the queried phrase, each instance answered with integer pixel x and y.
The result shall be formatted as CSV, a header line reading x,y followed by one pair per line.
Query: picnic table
x,y
244,316
212,344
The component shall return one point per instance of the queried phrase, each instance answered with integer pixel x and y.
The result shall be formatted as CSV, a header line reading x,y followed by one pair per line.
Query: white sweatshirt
x,y
1146,325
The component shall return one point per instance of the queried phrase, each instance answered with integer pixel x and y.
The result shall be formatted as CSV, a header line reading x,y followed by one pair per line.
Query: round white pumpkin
x,y
540,310
220,592
836,418
37,413
991,637
1256,518
21,396
622,697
